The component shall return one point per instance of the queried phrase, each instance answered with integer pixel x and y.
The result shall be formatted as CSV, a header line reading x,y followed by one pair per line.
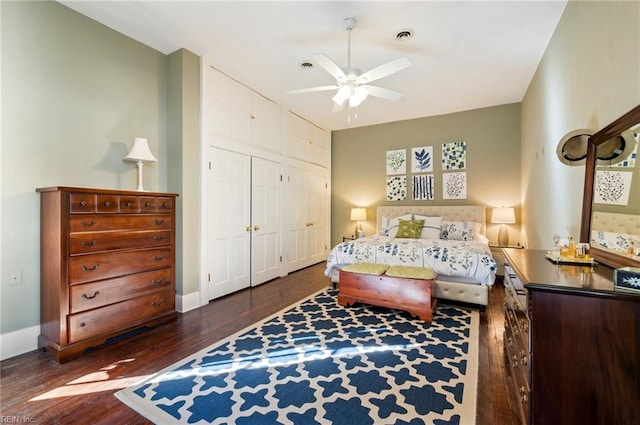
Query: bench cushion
x,y
411,272
366,268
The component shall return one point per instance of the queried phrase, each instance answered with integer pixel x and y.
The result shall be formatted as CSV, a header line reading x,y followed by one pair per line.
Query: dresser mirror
x,y
611,199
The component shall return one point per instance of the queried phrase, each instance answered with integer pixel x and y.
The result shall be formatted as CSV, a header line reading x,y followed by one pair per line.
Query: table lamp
x,y
140,154
358,215
502,216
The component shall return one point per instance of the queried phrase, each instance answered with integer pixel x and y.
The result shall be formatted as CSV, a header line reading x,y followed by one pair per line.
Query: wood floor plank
x,y
34,387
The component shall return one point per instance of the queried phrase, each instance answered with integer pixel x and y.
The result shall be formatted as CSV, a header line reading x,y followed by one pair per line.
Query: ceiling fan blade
x,y
329,66
312,89
383,70
382,92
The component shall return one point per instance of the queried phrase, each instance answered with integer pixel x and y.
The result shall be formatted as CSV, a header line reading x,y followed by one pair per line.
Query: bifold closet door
x,y
266,219
228,226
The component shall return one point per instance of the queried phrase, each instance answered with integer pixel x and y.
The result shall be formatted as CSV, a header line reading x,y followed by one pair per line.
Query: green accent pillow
x,y
411,272
366,268
410,229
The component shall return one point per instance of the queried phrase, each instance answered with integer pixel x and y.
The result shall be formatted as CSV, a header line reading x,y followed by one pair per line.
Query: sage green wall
x,y
588,76
183,150
74,95
358,176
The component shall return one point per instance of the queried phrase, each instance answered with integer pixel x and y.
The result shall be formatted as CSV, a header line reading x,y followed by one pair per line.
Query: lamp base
x,y
140,188
503,236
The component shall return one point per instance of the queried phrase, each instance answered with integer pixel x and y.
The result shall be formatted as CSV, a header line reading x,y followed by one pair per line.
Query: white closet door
x,y
317,217
297,225
228,222
266,219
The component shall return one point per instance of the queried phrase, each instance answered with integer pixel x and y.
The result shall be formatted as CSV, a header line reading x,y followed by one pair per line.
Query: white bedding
x,y
466,260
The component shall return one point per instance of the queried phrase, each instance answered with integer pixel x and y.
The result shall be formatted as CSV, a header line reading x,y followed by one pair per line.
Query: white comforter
x,y
470,260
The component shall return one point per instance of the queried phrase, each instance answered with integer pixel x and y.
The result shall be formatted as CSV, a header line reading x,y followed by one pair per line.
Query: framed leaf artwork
x,y
396,162
422,159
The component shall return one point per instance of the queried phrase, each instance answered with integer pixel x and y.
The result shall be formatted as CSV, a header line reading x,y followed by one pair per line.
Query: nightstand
x,y
348,238
498,255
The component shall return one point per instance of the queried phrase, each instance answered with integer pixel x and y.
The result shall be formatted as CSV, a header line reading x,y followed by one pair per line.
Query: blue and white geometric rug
x,y
320,363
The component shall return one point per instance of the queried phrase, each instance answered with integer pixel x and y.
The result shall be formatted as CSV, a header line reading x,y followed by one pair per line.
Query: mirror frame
x,y
614,129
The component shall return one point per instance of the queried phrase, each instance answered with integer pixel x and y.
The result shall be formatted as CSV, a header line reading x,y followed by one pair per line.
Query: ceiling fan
x,y
351,84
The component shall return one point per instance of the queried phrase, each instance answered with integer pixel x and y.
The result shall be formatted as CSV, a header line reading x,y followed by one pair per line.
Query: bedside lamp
x,y
502,216
140,154
358,215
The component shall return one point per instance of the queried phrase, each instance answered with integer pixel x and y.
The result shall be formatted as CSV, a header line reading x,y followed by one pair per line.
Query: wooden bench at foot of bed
x,y
403,293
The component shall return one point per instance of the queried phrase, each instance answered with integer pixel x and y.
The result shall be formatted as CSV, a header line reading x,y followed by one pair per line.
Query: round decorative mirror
x,y
616,149
572,148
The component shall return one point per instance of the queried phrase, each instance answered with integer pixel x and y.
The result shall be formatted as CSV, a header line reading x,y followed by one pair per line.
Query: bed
x,y
465,268
617,233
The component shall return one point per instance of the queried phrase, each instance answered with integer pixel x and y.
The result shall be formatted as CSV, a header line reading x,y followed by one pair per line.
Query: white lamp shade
x,y
140,151
358,214
503,215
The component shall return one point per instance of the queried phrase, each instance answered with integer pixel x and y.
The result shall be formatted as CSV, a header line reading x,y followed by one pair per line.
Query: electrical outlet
x,y
15,278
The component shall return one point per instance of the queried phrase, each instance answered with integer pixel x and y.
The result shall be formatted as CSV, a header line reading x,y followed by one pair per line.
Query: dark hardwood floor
x,y
35,389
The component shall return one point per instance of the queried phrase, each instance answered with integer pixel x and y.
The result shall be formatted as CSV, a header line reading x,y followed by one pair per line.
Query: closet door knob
x,y
256,227
248,229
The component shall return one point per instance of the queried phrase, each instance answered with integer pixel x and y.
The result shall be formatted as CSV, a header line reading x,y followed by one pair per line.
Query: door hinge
x,y
280,177
209,277
281,258
209,164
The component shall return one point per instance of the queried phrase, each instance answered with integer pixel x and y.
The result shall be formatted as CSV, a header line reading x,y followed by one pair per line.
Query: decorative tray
x,y
557,259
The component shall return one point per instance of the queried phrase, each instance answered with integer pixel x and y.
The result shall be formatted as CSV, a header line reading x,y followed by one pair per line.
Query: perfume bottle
x,y
572,247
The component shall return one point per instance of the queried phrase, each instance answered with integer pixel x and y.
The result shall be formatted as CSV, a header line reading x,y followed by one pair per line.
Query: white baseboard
x,y
24,340
19,342
187,302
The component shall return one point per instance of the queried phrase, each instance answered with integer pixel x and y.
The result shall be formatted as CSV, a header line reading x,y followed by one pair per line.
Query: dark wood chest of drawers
x,y
572,342
107,265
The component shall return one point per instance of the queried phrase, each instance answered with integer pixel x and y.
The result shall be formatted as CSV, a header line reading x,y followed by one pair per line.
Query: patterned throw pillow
x,y
458,230
410,229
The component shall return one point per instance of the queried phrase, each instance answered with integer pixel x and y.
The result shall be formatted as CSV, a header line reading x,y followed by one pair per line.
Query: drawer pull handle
x,y
82,325
107,203
88,244
83,203
157,281
159,258
165,205
147,204
158,238
90,297
88,224
158,303
90,269
129,204
159,221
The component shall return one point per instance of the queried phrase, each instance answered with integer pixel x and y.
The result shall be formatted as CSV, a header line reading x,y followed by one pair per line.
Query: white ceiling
x,y
464,55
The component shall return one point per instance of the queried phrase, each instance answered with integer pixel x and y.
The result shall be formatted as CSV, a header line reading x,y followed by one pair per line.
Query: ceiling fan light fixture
x,y
342,95
358,96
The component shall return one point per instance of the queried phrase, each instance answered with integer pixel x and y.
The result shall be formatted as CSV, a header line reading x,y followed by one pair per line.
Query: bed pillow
x,y
390,225
431,226
611,240
410,229
459,230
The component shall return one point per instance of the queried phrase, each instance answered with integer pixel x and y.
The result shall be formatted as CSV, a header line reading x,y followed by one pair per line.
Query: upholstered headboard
x,y
448,213
616,223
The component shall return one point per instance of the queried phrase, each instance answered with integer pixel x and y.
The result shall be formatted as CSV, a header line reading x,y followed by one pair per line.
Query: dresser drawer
x,y
97,294
129,204
81,243
82,202
90,267
118,316
99,223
